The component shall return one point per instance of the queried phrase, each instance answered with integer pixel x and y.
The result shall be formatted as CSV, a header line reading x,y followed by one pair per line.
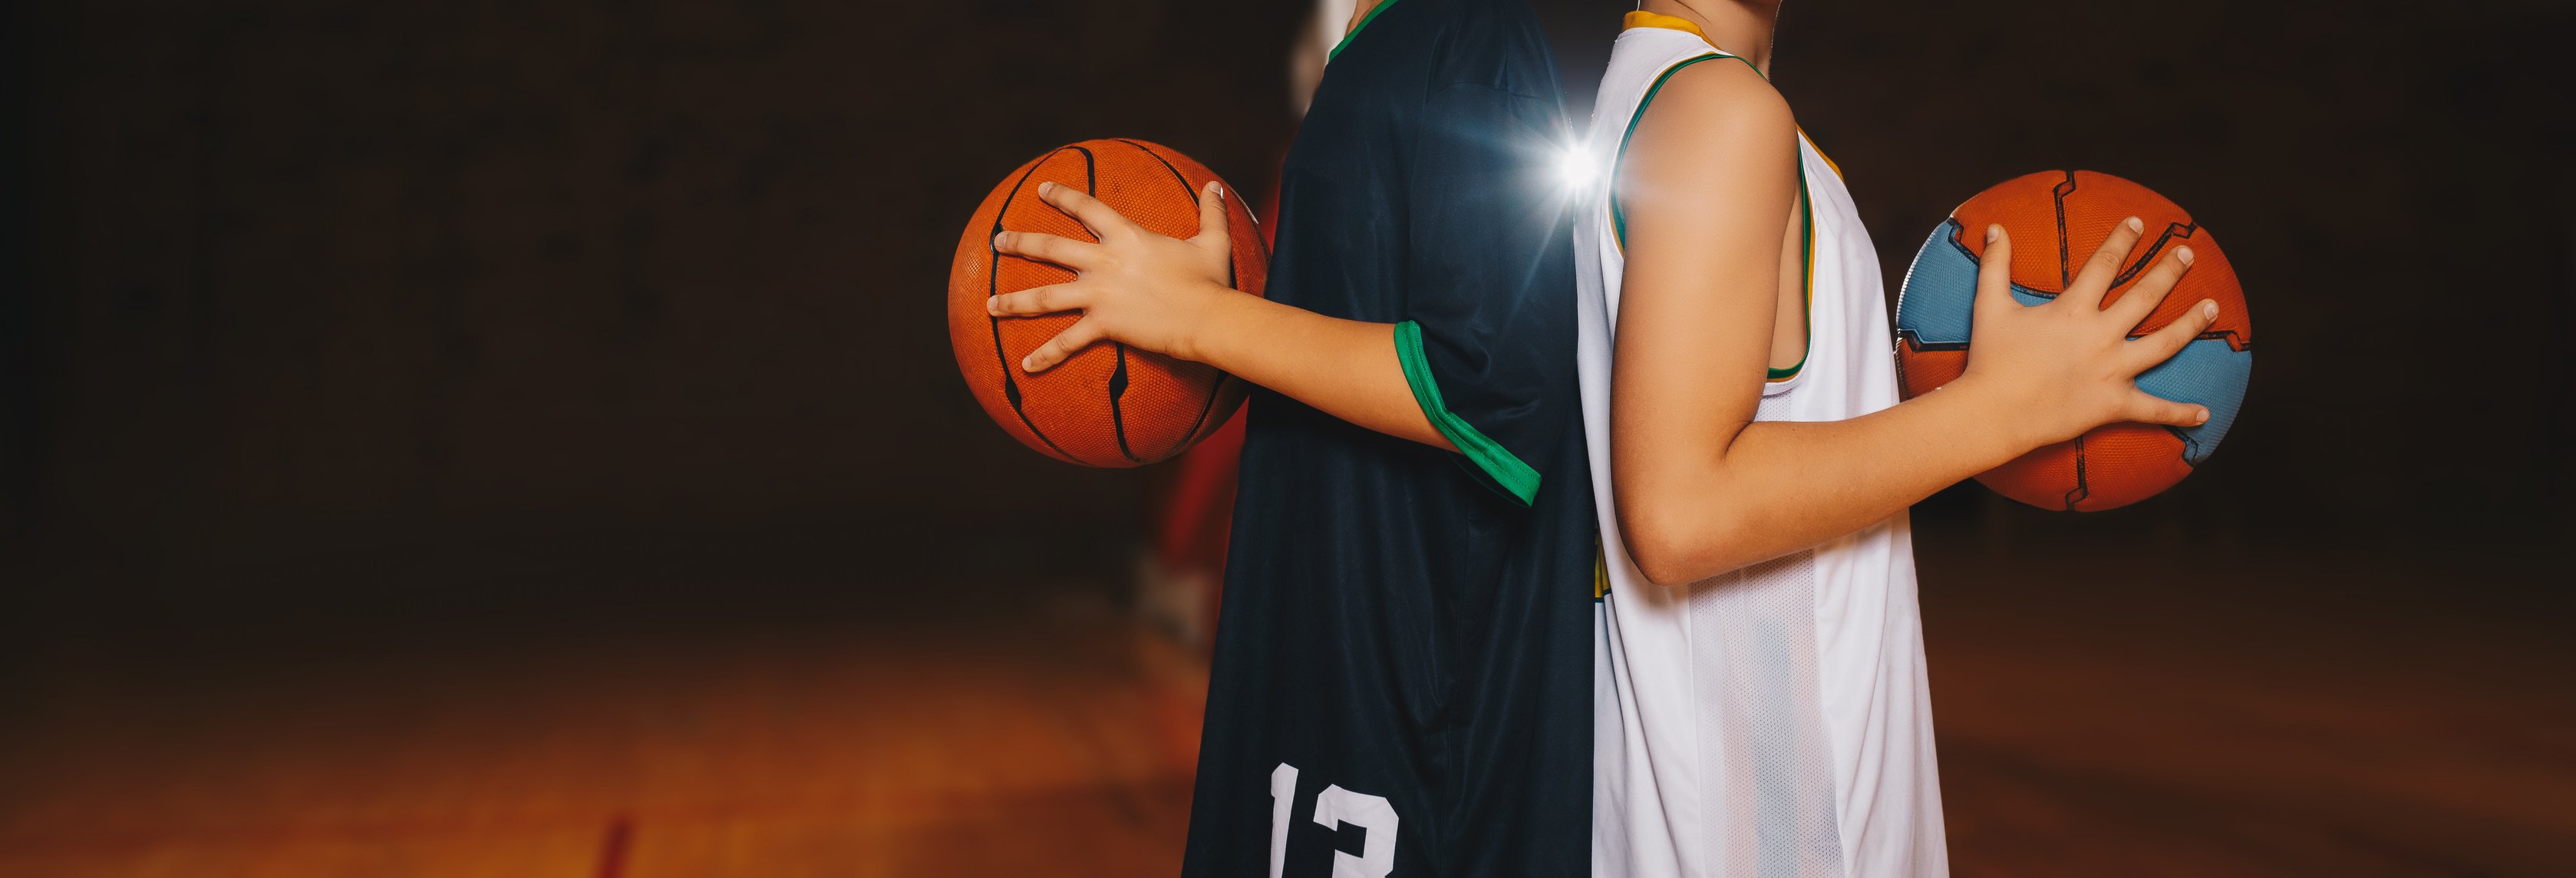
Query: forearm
x,y
1346,368
1781,486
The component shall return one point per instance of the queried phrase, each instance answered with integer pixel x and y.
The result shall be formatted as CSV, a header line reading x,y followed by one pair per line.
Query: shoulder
x,y
1712,133
1716,95
1712,117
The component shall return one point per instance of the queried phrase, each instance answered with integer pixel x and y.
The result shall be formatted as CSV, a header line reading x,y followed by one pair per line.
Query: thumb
x,y
1212,225
2148,408
1994,274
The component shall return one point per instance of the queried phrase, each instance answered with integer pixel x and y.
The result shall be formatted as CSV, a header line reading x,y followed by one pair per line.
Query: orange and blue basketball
x,y
2056,219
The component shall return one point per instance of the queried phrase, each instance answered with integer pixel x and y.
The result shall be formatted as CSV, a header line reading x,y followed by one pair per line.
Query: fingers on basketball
x,y
1063,346
2103,266
1094,214
1994,273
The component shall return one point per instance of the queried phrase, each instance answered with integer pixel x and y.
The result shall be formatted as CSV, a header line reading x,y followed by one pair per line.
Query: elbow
x,y
1674,542
1659,566
1663,543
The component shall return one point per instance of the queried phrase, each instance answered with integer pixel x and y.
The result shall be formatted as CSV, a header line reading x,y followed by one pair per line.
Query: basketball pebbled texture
x,y
2056,220
1108,405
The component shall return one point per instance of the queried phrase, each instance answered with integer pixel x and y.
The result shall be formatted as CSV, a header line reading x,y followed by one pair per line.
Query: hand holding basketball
x,y
2068,365
1134,286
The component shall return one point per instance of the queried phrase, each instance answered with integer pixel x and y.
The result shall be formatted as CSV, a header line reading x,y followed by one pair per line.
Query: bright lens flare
x,y
1575,170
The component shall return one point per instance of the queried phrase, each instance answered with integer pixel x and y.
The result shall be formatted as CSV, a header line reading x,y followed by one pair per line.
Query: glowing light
x,y
1575,170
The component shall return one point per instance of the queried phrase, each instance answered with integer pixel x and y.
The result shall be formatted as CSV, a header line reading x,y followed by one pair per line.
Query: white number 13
x,y
1334,807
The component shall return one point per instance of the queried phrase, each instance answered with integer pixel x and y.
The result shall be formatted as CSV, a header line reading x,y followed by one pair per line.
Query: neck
x,y
1740,27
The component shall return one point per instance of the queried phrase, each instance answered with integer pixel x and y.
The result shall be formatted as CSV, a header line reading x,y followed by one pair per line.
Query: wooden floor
x,y
2128,728
1055,742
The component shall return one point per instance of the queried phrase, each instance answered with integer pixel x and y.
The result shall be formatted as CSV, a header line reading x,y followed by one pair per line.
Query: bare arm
x,y
1169,295
1707,187
1347,368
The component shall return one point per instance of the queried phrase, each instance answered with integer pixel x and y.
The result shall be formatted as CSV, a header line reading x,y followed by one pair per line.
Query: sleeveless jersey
x,y
1773,720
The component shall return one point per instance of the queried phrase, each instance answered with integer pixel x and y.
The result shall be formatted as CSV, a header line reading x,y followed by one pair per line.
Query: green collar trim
x,y
1509,472
1355,32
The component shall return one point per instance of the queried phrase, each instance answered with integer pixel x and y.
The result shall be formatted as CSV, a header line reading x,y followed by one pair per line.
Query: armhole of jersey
x,y
1509,472
1806,273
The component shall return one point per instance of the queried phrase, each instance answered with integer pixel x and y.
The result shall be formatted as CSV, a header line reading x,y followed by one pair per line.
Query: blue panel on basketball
x,y
1938,301
1940,291
2208,372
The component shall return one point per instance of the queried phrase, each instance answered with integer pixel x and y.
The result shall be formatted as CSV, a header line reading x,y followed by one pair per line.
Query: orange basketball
x,y
2056,220
1107,405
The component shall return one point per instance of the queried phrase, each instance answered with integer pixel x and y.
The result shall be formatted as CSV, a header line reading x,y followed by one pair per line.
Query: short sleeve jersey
x,y
1402,673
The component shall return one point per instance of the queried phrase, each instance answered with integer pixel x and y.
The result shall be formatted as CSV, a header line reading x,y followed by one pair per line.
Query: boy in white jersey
x,y
1760,697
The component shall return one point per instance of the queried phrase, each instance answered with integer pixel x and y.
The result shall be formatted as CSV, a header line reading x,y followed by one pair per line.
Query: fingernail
x,y
2183,254
1029,363
1045,187
2209,310
2204,417
993,305
2133,224
1993,232
997,239
1216,189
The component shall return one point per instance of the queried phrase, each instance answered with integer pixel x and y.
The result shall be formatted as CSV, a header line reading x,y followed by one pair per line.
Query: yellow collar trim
x,y
1642,18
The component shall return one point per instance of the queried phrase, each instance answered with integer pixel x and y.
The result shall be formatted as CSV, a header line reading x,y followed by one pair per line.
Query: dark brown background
x,y
325,274
333,329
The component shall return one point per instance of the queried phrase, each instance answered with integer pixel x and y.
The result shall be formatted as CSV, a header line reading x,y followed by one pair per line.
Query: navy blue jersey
x,y
1402,680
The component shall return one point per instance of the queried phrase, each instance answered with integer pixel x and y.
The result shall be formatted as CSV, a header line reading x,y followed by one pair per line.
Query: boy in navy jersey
x,y
1402,673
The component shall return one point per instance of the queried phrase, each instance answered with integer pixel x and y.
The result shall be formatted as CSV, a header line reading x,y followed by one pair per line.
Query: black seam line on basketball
x,y
2083,485
1118,388
2234,340
1972,257
2187,229
2188,445
2126,274
993,287
1216,388
2065,278
1118,374
1913,341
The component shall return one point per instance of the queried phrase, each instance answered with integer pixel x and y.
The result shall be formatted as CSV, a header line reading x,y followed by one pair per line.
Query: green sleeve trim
x,y
1364,23
1497,462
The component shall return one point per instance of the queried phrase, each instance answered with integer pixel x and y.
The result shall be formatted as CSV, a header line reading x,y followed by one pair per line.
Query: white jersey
x,y
1774,720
